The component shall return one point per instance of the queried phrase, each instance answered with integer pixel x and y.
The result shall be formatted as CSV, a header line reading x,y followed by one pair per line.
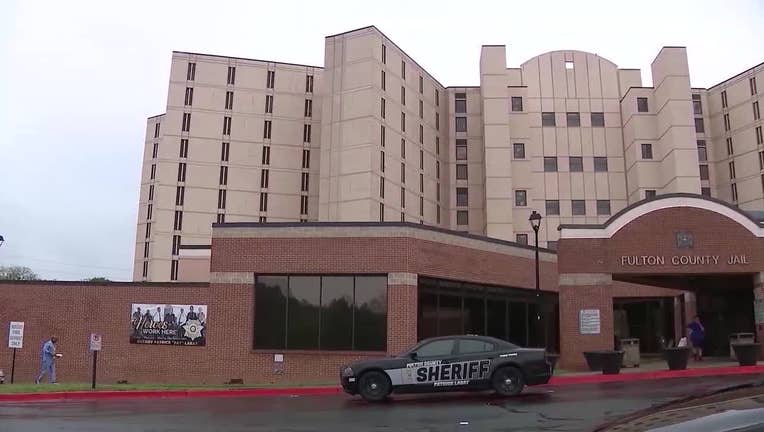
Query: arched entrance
x,y
691,253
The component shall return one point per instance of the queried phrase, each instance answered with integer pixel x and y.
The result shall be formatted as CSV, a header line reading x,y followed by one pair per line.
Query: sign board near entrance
x,y
16,335
95,342
589,321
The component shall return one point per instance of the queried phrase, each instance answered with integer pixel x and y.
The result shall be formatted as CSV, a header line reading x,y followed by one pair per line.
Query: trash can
x,y
607,361
677,357
739,338
630,348
747,353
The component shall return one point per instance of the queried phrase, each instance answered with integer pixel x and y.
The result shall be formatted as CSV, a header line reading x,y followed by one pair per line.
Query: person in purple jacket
x,y
697,335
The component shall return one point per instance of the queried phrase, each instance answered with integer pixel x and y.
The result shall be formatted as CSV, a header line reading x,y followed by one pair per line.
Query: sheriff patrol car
x,y
450,363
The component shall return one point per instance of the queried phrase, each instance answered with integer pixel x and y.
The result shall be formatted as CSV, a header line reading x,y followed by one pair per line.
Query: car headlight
x,y
347,371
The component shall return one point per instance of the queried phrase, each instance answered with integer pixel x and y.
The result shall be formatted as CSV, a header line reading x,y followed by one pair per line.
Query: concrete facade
x,y
372,136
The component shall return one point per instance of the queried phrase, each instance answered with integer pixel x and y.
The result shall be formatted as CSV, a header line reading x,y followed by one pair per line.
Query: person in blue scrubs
x,y
47,360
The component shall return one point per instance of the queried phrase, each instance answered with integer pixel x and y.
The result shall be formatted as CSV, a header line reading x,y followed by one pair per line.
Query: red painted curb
x,y
656,375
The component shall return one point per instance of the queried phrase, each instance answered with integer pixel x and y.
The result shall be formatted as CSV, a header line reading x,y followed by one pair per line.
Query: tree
x,y
97,279
17,273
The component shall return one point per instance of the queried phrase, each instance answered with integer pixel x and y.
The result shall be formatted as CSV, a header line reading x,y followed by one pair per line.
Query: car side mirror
x,y
412,355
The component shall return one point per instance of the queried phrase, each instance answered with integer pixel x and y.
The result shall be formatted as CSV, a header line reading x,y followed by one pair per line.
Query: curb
x,y
318,391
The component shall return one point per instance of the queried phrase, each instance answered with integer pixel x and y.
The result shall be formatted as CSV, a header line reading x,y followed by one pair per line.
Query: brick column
x,y
578,292
758,296
401,311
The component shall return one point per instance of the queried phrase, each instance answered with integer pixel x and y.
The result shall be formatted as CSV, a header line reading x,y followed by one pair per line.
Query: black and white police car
x,y
449,363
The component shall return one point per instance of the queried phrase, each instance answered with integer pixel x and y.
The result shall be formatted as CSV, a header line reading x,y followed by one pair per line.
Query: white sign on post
x,y
16,334
95,342
589,321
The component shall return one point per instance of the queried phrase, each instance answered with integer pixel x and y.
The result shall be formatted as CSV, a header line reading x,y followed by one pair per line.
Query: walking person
x,y
47,360
697,335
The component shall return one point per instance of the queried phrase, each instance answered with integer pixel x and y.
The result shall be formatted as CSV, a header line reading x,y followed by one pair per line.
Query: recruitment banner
x,y
168,324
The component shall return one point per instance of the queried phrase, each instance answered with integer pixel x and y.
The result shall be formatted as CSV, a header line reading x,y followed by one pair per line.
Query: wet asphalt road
x,y
567,408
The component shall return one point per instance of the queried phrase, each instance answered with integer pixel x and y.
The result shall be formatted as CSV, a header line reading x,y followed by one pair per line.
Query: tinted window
x,y
519,150
436,348
600,164
598,119
573,119
337,313
576,163
370,313
550,164
517,103
270,311
552,207
547,119
461,124
471,346
303,312
474,315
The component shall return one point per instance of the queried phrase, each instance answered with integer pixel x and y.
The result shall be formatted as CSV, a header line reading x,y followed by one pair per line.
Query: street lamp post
x,y
535,220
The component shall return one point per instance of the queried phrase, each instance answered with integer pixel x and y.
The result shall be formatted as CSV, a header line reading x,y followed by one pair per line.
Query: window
x,y
461,149
267,129
306,129
148,229
180,195
473,346
724,98
727,125
460,103
437,122
308,83
550,164
421,134
706,191
650,193
403,148
552,207
756,114
462,217
220,218
269,104
734,192
174,270
732,170
461,197
183,148
568,65
382,161
437,192
321,312
189,96
702,154
306,159
181,172
517,103
155,151
518,150
437,97
305,182
146,249
547,119
226,125
403,197
151,192
600,164
382,109
263,201
421,109
521,198
381,212
381,187
759,137
149,211
573,119
224,150
421,159
186,126
421,183
697,107
221,198
730,148
178,224
383,80
382,135
521,239
642,104
384,54
598,119
191,72
223,175
403,172
603,207
403,122
403,95
304,205
156,129
266,155
647,151
437,169
461,124
271,79
145,269
761,160
578,207
262,219
264,176
421,84
752,84
461,171
437,208
231,75
438,348
703,172
153,171
576,164
403,70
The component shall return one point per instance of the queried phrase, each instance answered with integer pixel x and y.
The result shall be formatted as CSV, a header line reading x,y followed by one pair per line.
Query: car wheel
x,y
374,386
508,381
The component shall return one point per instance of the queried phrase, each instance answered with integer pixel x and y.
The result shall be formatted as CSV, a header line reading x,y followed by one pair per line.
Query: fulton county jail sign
x,y
682,260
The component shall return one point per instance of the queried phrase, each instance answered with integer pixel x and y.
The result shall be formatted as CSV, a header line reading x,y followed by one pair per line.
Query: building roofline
x,y
516,86
248,59
373,27
659,198
735,76
467,86
634,87
110,283
496,45
266,225
157,115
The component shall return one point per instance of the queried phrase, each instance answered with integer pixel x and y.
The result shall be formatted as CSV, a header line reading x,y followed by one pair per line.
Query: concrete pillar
x,y
401,311
584,291
758,308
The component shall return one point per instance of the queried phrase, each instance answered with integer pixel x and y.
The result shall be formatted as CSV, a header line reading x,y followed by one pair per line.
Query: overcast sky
x,y
78,79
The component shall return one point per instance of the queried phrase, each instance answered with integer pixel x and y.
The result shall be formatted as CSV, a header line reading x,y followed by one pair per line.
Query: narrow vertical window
x,y
403,70
231,75
183,148
155,151
752,84
226,125
189,100
306,159
382,161
382,135
421,84
266,155
267,129
178,223
403,197
182,172
383,80
724,98
403,148
308,108
156,130
221,198
421,109
264,179
269,104
306,133
403,121
403,95
224,149
403,172
384,54
271,79
153,171
151,192
221,218
180,195
308,83
305,182
421,134
382,109
186,126
229,100
223,176
191,72
263,201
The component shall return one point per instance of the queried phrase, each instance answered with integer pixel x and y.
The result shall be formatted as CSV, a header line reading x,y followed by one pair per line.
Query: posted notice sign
x,y
589,321
95,342
16,334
